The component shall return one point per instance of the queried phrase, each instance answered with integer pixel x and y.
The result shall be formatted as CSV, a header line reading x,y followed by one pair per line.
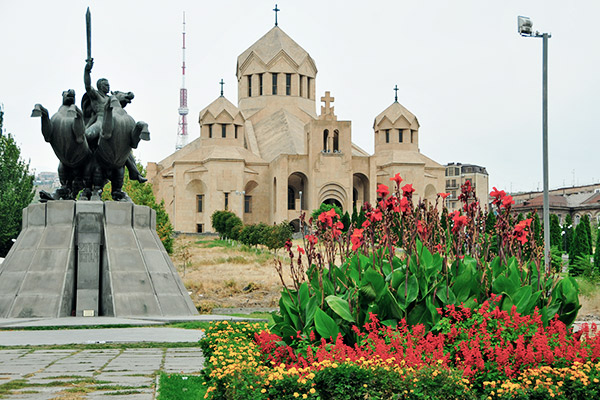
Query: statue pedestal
x,y
90,259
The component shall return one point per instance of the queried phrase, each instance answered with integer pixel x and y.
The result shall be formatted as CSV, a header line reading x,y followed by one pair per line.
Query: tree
x,y
579,248
585,221
490,223
143,195
555,232
16,190
568,233
597,252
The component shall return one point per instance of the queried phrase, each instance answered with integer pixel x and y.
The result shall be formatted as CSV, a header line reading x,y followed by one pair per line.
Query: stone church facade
x,y
271,155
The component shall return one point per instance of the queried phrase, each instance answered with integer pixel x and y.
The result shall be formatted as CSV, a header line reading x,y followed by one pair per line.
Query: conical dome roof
x,y
271,44
218,106
394,112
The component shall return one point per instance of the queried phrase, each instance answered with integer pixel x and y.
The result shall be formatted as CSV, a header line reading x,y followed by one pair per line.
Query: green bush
x,y
324,208
226,224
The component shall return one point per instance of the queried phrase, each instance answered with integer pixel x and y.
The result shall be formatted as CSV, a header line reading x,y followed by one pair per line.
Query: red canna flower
x,y
397,179
408,189
356,239
300,250
382,190
404,205
443,195
507,201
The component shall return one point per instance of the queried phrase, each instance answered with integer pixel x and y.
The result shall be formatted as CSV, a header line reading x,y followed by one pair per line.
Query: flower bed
x,y
477,353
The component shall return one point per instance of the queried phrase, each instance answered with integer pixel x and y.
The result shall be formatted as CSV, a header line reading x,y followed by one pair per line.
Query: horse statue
x,y
65,132
120,133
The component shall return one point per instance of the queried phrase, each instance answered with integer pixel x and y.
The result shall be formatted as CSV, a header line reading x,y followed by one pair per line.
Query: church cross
x,y
276,10
396,96
221,83
328,109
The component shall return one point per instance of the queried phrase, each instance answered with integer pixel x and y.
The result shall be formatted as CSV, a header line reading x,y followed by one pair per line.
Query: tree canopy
x,y
16,190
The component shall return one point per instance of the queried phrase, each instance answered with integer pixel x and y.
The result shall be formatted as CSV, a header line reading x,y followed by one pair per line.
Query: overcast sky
x,y
474,84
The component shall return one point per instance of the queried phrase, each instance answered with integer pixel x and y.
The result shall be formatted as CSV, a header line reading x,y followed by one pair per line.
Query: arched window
x,y
291,198
325,140
336,141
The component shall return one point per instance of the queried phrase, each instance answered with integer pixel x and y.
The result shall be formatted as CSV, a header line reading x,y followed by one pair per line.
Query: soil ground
x,y
223,275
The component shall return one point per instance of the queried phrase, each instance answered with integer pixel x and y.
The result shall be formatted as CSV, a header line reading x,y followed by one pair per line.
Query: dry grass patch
x,y
222,274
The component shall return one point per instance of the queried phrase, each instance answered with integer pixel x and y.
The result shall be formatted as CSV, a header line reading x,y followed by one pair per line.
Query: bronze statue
x,y
93,144
93,103
65,132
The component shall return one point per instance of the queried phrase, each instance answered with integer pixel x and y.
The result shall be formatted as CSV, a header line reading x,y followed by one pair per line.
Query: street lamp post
x,y
525,29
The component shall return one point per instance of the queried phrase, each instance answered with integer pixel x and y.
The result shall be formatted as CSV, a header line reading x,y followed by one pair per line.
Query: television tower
x,y
182,131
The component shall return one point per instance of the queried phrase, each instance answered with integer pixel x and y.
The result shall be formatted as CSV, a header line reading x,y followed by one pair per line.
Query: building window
x,y
249,85
247,204
325,141
199,202
210,130
199,228
235,129
291,199
301,80
223,130
336,141
288,84
456,171
400,135
260,86
387,135
308,80
274,91
412,136
226,201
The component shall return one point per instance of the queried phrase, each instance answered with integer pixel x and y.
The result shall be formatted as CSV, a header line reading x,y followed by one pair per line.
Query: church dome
x,y
215,109
396,113
269,47
221,120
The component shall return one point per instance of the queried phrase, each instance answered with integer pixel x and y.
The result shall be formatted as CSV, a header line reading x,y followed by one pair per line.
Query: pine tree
x,y
16,190
585,221
537,228
490,223
597,252
568,233
555,232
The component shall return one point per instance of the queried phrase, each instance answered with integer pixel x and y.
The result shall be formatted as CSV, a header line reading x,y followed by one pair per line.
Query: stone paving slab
x,y
134,370
108,335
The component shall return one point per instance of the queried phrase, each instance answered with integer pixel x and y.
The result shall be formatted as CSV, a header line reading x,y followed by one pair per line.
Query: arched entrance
x,y
360,190
297,192
333,193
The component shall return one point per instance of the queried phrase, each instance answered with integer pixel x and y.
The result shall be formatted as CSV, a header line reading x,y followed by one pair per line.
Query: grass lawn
x,y
176,386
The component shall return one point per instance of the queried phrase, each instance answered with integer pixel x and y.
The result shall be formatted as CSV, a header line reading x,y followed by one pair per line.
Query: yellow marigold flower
x,y
304,396
312,390
296,394
263,390
364,385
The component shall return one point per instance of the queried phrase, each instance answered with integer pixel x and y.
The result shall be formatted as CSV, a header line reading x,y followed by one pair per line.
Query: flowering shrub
x,y
479,353
406,261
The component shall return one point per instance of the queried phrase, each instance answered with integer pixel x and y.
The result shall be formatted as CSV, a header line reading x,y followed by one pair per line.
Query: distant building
x,y
458,174
575,200
271,156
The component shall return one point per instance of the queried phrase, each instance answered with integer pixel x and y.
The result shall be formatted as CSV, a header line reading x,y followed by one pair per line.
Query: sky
x,y
461,67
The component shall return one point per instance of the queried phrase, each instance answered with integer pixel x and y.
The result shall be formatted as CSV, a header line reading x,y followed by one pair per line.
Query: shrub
x,y
555,232
226,224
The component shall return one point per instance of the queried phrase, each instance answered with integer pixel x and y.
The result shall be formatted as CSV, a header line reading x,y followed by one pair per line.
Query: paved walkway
x,y
93,374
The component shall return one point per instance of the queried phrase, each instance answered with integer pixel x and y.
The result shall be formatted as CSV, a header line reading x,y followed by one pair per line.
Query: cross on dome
x,y
396,95
221,83
276,10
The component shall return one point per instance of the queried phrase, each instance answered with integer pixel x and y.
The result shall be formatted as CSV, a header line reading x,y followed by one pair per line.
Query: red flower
x,y
376,215
404,204
356,239
382,190
366,224
300,250
397,179
507,201
459,221
443,195
408,189
312,239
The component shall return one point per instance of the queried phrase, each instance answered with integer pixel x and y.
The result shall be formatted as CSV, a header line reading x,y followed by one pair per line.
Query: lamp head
x,y
525,26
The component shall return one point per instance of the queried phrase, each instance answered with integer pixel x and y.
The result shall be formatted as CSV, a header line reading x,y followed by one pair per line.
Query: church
x,y
273,155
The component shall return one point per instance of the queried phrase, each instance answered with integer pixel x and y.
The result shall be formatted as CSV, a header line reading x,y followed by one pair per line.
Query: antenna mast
x,y
182,131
